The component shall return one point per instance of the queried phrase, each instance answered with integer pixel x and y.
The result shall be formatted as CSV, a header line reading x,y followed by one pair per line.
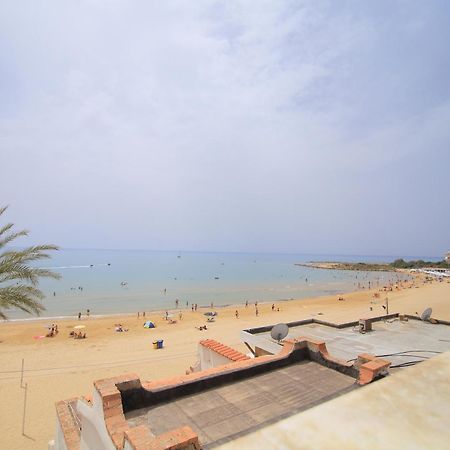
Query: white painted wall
x,y
94,435
209,358
59,443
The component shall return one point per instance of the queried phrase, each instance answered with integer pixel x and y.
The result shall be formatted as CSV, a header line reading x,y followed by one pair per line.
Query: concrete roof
x,y
227,412
388,337
409,409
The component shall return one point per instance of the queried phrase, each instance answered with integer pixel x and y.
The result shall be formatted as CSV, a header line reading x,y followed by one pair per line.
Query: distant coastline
x,y
348,266
396,266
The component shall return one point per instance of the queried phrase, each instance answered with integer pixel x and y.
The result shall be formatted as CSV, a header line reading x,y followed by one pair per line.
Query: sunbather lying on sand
x,y
79,335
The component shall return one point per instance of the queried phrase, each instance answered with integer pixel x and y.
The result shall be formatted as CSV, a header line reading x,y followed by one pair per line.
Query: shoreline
x,y
182,309
414,277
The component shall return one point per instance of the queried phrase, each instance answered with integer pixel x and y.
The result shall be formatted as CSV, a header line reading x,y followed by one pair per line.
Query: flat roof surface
x,y
407,410
222,414
391,336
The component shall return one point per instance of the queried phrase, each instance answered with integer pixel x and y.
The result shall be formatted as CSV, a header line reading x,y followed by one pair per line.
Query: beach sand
x,y
61,367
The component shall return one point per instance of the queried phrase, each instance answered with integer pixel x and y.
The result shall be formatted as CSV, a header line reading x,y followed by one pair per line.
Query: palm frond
x,y
14,266
5,228
10,237
10,272
29,254
25,298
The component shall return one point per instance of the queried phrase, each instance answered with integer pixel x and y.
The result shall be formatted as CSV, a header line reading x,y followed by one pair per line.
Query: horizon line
x,y
247,252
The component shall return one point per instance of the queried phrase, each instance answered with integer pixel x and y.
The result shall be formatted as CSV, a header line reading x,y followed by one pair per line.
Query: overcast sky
x,y
303,127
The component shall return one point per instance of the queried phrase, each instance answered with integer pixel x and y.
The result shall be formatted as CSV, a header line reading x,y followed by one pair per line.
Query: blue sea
x,y
127,281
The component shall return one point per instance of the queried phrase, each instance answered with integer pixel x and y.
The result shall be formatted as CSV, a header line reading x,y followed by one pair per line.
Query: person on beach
x,y
256,312
176,303
273,306
88,312
180,315
192,307
143,314
167,315
246,303
79,316
256,304
236,314
138,315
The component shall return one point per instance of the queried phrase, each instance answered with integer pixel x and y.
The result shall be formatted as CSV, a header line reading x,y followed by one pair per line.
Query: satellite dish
x,y
279,331
425,316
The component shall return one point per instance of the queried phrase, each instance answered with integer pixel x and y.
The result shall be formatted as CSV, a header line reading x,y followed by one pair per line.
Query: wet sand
x,y
62,367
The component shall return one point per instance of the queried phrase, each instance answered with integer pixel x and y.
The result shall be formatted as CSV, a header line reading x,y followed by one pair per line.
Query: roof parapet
x,y
113,397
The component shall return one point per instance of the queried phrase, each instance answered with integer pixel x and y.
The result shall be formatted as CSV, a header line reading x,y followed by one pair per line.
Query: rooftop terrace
x,y
227,412
398,341
210,407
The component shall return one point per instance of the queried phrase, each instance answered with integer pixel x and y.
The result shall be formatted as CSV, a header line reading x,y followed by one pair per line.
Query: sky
x,y
273,126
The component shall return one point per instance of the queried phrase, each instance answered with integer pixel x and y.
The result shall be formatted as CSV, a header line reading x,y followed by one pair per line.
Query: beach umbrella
x,y
210,313
79,327
149,324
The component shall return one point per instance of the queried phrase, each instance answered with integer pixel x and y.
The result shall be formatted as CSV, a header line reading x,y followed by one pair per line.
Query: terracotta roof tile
x,y
224,350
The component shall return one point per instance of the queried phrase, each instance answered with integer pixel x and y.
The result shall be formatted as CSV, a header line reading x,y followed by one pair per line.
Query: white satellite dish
x,y
425,316
279,332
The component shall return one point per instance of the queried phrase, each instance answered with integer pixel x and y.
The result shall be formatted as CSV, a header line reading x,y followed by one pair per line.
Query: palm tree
x,y
18,280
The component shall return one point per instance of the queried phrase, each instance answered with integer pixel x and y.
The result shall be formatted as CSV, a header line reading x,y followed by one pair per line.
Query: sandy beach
x,y
62,367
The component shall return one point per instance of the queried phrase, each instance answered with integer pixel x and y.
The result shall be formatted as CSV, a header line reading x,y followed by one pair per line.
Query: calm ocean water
x,y
121,281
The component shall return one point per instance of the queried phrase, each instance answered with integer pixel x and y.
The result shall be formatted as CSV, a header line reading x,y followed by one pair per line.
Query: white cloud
x,y
194,122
